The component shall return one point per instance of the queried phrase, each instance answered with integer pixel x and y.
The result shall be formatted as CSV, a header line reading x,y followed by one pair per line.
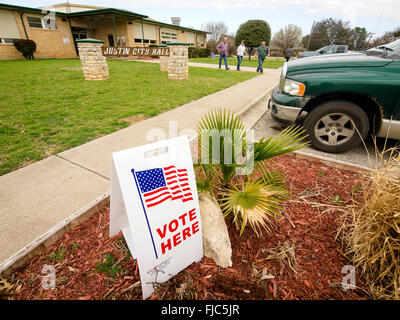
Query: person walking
x,y
289,53
223,50
262,52
239,54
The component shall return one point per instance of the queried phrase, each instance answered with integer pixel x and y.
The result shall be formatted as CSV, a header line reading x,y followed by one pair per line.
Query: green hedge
x,y
26,47
195,52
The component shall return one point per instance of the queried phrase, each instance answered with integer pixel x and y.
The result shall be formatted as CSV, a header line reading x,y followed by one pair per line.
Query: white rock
x,y
216,243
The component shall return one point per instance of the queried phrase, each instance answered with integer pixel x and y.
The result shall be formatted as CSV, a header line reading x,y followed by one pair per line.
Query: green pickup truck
x,y
341,98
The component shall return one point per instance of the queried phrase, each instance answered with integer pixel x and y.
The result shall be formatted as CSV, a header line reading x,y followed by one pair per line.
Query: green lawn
x,y
269,63
47,107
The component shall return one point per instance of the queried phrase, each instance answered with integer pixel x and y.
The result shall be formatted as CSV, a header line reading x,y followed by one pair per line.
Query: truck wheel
x,y
336,126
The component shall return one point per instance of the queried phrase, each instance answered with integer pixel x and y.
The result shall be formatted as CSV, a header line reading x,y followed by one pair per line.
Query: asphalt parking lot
x,y
365,156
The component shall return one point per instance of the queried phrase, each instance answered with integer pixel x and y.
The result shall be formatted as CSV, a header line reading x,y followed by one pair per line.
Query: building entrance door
x,y
78,34
110,39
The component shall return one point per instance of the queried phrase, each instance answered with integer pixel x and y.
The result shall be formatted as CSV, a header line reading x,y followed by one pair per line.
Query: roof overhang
x,y
118,12
27,9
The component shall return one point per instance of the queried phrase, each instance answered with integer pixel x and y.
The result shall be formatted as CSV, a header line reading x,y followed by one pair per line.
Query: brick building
x,y
55,29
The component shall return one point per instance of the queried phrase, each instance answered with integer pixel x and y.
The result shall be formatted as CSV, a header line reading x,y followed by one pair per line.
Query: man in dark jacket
x,y
289,53
262,52
223,50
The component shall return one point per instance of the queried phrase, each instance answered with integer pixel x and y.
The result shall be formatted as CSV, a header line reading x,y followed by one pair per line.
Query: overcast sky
x,y
377,16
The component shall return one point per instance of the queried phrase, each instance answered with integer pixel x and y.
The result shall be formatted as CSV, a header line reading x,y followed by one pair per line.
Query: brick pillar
x,y
163,61
94,64
178,60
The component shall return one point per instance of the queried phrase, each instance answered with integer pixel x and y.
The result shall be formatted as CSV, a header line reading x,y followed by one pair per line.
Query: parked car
x,y
341,98
332,49
379,50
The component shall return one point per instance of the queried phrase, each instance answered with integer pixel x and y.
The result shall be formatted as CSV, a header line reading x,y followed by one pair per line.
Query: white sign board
x,y
154,202
65,40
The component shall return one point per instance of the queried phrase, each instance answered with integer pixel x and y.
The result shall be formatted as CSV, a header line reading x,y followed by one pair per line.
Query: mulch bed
x,y
300,259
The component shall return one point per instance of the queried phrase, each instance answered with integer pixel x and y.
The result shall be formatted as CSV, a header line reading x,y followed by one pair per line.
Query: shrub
x,y
26,47
193,52
254,196
371,230
204,52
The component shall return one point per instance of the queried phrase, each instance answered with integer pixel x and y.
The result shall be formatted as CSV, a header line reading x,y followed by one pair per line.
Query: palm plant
x,y
226,169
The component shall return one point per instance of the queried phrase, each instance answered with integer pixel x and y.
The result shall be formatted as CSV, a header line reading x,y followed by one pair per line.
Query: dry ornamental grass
x,y
371,230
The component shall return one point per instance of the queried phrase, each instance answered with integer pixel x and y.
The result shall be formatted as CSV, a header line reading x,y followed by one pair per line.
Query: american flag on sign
x,y
160,184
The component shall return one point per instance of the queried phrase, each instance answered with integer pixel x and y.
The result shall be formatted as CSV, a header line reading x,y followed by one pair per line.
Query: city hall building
x,y
55,29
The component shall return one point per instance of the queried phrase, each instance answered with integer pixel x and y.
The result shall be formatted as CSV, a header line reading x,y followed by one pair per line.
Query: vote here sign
x,y
154,202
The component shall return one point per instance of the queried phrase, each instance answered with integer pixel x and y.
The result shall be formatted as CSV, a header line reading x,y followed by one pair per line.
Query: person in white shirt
x,y
239,54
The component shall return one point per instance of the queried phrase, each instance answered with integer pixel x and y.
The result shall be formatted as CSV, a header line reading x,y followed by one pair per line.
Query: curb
x,y
54,234
339,164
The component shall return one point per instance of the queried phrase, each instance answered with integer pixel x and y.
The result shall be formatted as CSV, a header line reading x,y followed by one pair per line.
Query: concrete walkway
x,y
216,66
37,198
202,65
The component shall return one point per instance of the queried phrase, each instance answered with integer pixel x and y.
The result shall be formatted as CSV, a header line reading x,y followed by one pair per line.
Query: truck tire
x,y
336,126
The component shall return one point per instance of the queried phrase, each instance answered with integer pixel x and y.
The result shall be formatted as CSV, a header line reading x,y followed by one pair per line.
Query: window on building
x,y
34,22
42,23
121,41
6,40
137,40
8,27
110,39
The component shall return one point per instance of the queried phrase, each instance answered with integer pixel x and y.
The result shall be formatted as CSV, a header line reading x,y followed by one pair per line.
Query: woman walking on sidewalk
x,y
239,54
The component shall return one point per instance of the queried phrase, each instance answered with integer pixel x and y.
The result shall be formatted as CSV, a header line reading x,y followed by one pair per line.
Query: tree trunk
x,y
249,52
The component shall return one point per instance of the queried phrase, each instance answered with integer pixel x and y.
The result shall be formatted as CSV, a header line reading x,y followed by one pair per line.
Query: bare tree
x,y
386,38
216,29
291,35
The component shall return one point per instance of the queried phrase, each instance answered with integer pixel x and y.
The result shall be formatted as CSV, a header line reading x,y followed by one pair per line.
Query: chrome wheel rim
x,y
334,129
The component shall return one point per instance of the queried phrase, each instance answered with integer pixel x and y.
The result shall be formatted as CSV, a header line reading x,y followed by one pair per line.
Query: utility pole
x,y
309,38
68,7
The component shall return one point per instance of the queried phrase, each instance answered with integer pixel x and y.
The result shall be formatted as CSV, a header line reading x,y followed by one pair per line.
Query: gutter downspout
x,y
72,36
115,30
23,23
159,36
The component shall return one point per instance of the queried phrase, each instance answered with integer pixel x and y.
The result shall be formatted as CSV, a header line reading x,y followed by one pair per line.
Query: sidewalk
x,y
36,200
208,65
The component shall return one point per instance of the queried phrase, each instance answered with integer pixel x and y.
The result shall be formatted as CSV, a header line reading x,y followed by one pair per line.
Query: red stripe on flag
x,y
158,202
156,197
155,191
